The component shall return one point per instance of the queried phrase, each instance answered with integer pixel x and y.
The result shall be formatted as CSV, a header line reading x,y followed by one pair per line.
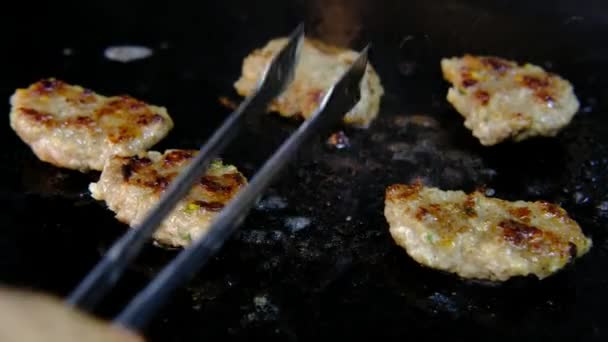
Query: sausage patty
x,y
479,237
72,127
320,66
502,100
131,186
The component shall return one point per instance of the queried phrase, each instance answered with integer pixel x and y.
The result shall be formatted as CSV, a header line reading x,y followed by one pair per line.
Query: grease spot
x,y
127,53
443,303
271,203
297,223
603,207
580,198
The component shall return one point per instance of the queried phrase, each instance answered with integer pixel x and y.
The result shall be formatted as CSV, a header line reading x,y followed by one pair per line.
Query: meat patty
x,y
479,237
502,100
320,66
131,186
75,128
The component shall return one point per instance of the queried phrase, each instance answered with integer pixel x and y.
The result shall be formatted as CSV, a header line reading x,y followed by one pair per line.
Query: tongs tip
x,y
299,31
363,56
281,70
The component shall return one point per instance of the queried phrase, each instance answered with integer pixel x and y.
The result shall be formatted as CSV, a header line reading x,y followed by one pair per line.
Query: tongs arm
x,y
337,101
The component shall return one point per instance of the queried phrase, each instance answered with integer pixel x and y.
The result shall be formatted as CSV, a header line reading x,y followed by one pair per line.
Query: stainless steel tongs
x,y
338,100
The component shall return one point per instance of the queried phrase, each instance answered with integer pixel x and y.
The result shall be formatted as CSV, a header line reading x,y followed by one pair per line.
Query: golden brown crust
x,y
521,213
402,191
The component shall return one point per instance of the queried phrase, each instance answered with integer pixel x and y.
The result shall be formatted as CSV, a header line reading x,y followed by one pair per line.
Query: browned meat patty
x,y
479,237
321,65
131,186
502,100
72,127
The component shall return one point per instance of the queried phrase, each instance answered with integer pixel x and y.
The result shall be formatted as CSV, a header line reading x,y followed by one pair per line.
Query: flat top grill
x,y
314,258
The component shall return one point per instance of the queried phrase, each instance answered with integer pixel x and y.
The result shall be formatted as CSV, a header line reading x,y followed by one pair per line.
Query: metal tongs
x,y
338,100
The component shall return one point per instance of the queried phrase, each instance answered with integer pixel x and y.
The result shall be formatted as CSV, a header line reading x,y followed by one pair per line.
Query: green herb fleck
x,y
429,237
191,208
462,91
186,236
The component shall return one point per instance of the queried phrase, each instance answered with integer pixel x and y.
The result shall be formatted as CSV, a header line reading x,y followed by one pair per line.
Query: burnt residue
x,y
545,96
521,213
86,121
145,119
37,116
519,234
177,157
553,209
421,213
541,87
224,185
124,110
482,96
213,184
132,165
498,64
469,206
127,171
468,82
535,82
158,183
211,206
48,85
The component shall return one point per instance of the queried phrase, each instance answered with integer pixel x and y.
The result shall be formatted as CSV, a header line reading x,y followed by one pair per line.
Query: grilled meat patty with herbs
x,y
502,100
131,186
320,66
75,128
479,237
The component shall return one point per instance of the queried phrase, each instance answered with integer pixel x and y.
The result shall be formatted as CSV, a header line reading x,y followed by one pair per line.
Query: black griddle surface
x,y
315,258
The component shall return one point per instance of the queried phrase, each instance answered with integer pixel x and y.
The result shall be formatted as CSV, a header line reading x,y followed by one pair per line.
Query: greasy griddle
x,y
315,258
